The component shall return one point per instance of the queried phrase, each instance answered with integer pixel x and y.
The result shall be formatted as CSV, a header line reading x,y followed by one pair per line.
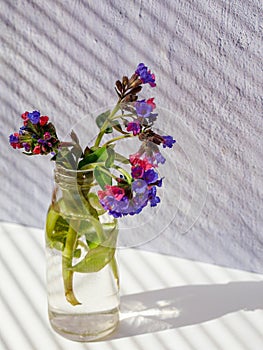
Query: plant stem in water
x,y
67,257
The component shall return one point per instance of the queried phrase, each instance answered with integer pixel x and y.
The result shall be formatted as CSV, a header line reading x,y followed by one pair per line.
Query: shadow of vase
x,y
175,307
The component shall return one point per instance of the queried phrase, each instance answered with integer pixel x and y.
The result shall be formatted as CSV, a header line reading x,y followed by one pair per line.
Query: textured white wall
x,y
62,57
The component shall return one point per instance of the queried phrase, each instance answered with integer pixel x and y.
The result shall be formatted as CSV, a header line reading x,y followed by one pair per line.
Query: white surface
x,y
167,303
63,58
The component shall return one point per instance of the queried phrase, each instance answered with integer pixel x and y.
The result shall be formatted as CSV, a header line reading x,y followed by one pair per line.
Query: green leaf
x,y
65,158
77,253
101,255
102,176
74,137
95,260
117,126
99,155
101,119
92,238
92,245
95,203
56,230
111,157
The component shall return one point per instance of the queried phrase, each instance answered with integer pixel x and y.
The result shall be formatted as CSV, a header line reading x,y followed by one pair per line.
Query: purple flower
x,y
139,186
159,158
14,138
137,172
154,200
159,183
135,127
145,75
26,146
140,194
155,158
150,176
34,117
168,141
143,109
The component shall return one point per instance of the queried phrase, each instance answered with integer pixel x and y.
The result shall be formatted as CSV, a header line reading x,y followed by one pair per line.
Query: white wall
x,y
63,57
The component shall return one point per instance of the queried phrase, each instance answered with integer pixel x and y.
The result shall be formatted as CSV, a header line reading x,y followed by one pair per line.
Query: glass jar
x,y
82,272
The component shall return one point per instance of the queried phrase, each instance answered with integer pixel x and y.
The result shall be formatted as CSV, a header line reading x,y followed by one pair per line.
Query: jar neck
x,y
71,178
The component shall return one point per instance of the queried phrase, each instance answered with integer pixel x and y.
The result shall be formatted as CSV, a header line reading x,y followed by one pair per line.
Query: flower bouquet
x,y
94,186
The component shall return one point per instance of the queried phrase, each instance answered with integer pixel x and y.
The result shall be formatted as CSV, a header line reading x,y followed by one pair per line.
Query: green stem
x,y
123,115
114,267
117,138
67,257
105,125
92,215
124,172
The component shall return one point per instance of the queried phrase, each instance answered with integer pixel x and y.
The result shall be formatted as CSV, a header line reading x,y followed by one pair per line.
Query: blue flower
x,y
168,141
150,176
159,183
34,117
143,109
14,138
154,200
139,186
26,146
145,75
159,158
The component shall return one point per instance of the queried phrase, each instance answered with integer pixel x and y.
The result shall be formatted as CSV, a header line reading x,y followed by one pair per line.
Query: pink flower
x,y
37,150
143,163
117,192
24,116
112,191
47,136
43,120
150,102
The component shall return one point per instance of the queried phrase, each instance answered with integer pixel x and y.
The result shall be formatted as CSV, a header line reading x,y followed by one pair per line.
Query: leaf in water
x,y
101,119
95,203
115,271
99,255
102,176
95,260
91,234
56,230
77,253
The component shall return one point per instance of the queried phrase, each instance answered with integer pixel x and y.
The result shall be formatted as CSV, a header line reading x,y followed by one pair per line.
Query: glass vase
x,y
82,272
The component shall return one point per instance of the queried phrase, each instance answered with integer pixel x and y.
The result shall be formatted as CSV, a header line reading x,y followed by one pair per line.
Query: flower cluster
x,y
36,136
131,198
135,188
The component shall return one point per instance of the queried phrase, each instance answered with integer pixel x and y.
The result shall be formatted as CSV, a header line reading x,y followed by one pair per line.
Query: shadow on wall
x,y
176,307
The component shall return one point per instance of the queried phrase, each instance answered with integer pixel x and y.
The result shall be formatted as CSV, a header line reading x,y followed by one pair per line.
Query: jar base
x,y
84,327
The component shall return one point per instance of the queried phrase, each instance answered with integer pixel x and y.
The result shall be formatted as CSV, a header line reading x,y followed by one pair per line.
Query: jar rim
x,y
64,171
